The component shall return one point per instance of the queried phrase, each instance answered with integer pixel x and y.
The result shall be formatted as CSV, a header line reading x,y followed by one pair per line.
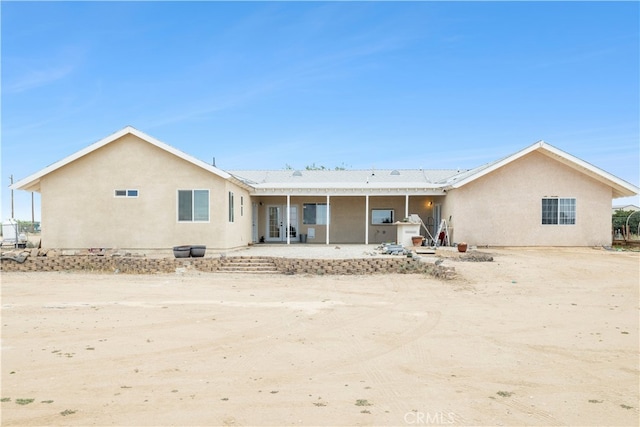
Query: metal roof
x,y
340,178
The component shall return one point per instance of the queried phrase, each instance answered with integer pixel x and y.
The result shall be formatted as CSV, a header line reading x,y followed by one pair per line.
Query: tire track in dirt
x,y
147,353
359,354
327,321
530,410
384,385
245,338
355,350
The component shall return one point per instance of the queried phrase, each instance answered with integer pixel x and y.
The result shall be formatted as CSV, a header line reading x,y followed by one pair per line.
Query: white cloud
x,y
38,77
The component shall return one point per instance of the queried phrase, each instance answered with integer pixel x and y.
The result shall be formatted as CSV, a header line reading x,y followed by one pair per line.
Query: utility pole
x,y
11,180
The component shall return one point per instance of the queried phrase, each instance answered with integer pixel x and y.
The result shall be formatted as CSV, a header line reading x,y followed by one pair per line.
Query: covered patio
x,y
340,217
341,206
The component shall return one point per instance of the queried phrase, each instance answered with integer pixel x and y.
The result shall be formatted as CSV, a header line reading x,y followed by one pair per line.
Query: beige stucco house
x,y
130,190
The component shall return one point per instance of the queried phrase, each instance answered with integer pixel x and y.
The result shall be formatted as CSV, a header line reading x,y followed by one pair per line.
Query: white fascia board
x,y
33,179
240,183
496,165
191,159
317,191
621,188
178,153
31,183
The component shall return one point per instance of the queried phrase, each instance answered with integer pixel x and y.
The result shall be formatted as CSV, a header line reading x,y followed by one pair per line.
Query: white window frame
x,y
559,219
193,201
315,219
232,213
128,193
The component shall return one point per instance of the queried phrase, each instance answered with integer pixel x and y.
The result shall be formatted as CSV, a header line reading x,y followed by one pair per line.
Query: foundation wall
x,y
140,265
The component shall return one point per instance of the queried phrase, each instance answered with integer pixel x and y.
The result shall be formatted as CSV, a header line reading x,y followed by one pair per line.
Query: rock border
x,y
119,263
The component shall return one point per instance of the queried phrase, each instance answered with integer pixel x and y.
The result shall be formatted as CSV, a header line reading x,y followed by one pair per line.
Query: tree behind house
x,y
619,220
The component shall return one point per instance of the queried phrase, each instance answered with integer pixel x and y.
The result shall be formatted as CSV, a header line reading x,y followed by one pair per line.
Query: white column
x,y
328,219
366,219
288,231
406,206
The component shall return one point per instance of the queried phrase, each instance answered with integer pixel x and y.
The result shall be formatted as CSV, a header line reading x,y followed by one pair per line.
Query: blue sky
x,y
262,85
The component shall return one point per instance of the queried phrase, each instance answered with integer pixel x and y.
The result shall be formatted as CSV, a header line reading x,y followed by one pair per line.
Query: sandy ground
x,y
538,337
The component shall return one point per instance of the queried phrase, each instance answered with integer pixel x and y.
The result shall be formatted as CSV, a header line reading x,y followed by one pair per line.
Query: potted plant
x,y
417,240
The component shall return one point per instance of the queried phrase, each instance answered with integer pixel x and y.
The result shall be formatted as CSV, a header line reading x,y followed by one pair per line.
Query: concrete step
x,y
248,265
222,270
246,260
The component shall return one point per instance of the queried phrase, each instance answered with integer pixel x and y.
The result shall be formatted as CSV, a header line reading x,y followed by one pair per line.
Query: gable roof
x,y
431,181
32,182
620,187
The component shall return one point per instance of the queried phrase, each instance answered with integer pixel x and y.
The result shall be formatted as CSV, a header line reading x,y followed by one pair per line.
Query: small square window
x,y
126,193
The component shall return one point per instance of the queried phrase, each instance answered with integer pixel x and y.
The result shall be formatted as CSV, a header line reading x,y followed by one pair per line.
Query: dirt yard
x,y
537,337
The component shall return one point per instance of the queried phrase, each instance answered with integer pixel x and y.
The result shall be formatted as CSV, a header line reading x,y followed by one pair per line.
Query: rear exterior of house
x,y
132,191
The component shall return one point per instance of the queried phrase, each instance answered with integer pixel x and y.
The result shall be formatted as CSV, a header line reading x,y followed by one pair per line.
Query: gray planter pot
x,y
181,251
198,251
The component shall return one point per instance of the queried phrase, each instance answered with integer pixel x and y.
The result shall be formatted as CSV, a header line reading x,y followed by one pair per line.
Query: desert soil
x,y
537,337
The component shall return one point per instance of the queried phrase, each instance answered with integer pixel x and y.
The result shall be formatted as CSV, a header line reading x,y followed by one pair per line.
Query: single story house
x,y
625,208
130,190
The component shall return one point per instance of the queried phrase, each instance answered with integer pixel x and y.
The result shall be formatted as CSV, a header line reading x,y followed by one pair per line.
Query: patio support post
x,y
406,206
328,218
366,219
288,232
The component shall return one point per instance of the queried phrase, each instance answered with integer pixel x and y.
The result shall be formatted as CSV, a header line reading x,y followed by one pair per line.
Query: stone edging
x,y
142,265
